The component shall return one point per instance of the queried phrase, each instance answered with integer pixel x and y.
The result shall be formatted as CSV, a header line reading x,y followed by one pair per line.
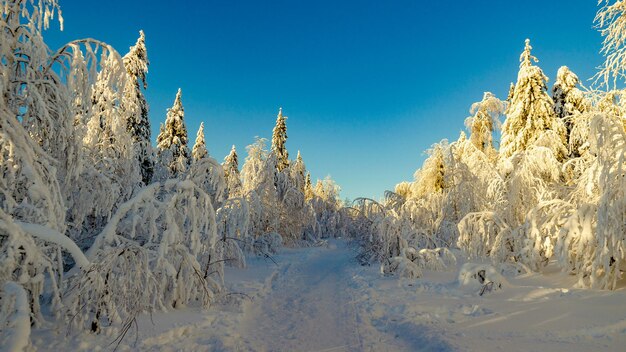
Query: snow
x,y
16,338
308,307
321,299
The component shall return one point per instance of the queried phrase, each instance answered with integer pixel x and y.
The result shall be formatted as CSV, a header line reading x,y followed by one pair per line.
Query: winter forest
x,y
99,225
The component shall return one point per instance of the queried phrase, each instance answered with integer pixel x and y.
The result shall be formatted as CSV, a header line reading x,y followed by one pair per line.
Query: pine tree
x,y
206,172
199,148
298,171
568,100
231,162
530,115
231,173
308,187
172,146
136,64
279,138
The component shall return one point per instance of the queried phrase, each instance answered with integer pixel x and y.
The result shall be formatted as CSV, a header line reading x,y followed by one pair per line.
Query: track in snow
x,y
308,308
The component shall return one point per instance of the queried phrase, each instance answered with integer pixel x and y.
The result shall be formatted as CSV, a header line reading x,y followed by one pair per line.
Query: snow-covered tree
x,y
483,122
326,203
298,173
530,114
38,160
279,138
107,130
569,103
173,151
231,173
297,216
199,150
568,99
258,180
471,180
308,186
206,172
110,173
431,178
138,124
156,252
596,232
611,23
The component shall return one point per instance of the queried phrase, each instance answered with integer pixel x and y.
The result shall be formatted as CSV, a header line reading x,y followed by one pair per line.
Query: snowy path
x,y
309,307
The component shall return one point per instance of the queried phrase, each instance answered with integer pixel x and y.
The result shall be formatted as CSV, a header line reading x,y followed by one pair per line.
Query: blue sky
x,y
368,85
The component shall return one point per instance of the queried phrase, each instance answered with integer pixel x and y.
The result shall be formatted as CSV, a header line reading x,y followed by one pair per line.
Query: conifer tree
x,y
530,114
206,172
298,171
172,146
568,100
509,95
138,124
308,187
231,173
279,138
199,148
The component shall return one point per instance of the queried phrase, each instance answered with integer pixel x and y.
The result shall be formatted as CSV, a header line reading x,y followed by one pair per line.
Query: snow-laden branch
x,y
53,236
109,230
64,50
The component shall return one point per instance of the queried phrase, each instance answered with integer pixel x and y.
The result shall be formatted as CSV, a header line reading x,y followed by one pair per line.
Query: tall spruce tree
x,y
199,150
308,187
279,138
530,115
138,124
231,173
172,146
568,99
298,173
206,172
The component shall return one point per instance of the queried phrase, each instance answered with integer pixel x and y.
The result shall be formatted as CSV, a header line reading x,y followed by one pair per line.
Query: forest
x,y
99,225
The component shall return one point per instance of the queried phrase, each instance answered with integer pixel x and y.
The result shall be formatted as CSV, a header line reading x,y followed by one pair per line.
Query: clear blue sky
x,y
368,85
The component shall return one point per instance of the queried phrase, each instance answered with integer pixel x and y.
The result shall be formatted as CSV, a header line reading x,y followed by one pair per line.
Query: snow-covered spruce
x,y
172,150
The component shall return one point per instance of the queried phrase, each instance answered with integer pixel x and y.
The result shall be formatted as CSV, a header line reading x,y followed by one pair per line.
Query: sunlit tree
x,y
173,151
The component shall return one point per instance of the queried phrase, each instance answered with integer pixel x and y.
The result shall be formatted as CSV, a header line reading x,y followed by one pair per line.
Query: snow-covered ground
x,y
320,299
